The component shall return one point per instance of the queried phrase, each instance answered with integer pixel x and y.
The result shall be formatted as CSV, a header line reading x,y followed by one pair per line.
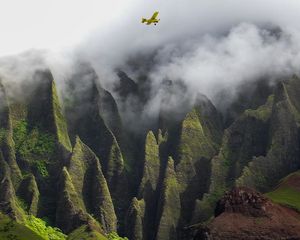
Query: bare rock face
x,y
242,200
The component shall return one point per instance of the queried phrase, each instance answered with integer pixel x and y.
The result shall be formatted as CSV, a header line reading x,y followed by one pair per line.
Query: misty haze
x,y
118,126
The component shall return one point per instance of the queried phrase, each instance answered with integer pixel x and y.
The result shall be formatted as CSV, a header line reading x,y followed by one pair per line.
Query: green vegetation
x,y
82,161
115,165
11,230
204,208
17,112
28,195
83,233
287,193
136,217
60,122
151,165
31,228
37,143
263,112
3,133
194,148
41,167
77,169
70,191
170,202
287,196
115,236
46,232
34,146
194,143
290,90
241,142
281,148
20,133
21,203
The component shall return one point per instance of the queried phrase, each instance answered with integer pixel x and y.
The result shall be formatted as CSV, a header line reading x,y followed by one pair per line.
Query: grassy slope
x,y
82,233
286,193
35,229
12,230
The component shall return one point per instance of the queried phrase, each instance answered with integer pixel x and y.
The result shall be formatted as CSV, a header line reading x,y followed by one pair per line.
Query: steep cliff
x,y
71,159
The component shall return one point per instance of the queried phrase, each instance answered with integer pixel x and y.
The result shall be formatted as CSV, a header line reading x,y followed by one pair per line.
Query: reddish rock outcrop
x,y
245,214
243,200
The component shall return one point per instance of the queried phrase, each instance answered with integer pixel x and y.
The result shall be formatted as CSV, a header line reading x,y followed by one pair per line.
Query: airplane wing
x,y
154,16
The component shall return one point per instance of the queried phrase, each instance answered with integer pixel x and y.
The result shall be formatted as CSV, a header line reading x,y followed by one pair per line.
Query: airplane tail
x,y
144,20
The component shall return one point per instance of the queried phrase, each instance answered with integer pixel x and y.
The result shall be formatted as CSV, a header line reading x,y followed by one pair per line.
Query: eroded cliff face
x,y
259,148
81,166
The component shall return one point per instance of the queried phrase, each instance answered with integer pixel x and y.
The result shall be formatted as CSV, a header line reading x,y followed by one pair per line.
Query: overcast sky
x,y
55,24
211,45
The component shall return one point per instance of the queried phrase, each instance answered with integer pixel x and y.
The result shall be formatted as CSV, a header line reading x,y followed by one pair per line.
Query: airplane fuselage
x,y
151,20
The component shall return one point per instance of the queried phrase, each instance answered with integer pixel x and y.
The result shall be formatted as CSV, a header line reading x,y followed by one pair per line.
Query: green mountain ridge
x,y
75,164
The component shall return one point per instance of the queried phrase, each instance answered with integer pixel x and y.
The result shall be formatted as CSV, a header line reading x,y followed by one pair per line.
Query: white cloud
x,y
212,45
51,24
214,64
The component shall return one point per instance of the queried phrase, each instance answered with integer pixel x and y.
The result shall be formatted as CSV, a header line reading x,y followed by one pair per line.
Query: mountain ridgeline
x,y
75,163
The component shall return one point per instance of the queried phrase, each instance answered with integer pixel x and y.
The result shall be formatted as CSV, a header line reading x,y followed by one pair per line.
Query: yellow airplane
x,y
153,19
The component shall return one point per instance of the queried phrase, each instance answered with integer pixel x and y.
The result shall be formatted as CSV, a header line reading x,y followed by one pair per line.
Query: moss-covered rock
x,y
197,145
151,170
161,137
259,148
169,211
60,122
101,202
135,226
78,165
40,139
194,144
95,180
84,117
247,137
109,111
6,141
69,213
29,192
117,181
282,157
91,186
44,108
192,136
8,200
148,192
10,174
93,116
115,167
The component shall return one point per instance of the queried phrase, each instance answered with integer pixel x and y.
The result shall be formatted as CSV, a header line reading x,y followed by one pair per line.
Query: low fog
x,y
212,46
